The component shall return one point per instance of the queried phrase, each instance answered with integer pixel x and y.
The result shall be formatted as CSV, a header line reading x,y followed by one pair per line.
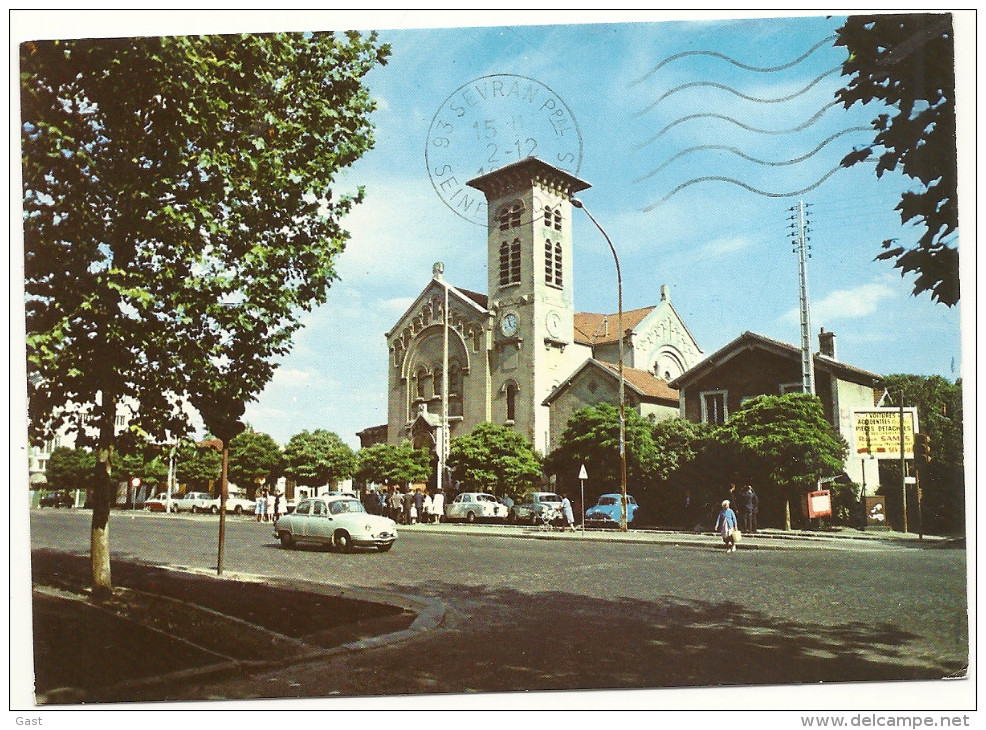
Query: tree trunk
x,y
104,493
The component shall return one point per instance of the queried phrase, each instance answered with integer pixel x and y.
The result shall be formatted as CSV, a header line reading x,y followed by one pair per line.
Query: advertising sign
x,y
877,432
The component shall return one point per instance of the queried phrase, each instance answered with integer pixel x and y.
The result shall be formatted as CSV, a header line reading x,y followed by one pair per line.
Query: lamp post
x,y
623,451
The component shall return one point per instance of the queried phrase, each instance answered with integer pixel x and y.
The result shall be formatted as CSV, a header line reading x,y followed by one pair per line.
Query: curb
x,y
429,615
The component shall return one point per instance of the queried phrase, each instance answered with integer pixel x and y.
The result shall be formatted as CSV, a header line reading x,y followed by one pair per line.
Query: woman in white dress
x,y
437,506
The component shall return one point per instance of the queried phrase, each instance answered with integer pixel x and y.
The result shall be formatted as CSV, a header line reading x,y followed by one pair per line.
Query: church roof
x,y
528,168
644,384
597,329
480,299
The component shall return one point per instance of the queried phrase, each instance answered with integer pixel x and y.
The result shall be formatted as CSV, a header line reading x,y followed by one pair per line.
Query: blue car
x,y
606,513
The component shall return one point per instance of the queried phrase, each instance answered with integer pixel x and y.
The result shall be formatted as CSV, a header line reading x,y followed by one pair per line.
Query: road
x,y
552,614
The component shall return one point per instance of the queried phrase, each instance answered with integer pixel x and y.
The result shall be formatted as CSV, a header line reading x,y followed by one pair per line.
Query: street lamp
x,y
623,450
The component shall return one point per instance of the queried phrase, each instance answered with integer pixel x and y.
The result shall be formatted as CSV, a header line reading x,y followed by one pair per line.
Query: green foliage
x,y
198,469
70,468
318,458
389,464
907,62
782,445
784,440
592,437
495,459
146,464
254,458
179,216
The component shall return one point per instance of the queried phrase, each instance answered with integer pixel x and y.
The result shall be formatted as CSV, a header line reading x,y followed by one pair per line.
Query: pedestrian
x,y
438,505
566,512
419,503
407,502
753,509
269,507
426,509
395,504
277,506
726,524
260,508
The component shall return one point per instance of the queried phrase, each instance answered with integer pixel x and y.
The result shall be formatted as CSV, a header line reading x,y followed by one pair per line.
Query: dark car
x,y
57,499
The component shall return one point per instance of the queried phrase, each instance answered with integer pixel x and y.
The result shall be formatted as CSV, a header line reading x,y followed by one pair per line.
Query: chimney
x,y
665,293
826,344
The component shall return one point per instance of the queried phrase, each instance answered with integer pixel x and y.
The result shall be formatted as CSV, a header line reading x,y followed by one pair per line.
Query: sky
x,y
636,99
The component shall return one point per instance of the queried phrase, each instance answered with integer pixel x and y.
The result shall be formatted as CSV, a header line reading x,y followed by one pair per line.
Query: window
x,y
552,263
510,262
421,378
510,215
439,374
552,217
511,402
455,389
714,407
792,388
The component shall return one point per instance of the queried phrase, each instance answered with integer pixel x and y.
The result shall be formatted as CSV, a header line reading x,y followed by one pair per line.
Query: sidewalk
x,y
765,539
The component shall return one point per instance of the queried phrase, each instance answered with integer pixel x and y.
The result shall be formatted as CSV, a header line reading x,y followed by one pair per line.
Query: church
x,y
519,355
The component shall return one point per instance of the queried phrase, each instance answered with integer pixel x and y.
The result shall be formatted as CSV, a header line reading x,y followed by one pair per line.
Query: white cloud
x,y
724,246
854,303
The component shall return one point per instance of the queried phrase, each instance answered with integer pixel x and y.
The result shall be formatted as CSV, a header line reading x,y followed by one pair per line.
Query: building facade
x,y
753,365
506,351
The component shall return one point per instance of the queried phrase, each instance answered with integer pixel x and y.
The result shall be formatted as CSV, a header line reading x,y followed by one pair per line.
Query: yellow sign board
x,y
877,432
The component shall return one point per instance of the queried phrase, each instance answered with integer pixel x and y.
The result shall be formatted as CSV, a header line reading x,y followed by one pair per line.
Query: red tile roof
x,y
597,329
644,382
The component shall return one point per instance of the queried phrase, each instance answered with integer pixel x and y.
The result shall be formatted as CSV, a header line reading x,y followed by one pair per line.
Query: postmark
x,y
490,122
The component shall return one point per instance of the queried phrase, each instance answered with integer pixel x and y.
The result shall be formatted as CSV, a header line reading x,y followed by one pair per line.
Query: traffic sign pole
x,y
583,475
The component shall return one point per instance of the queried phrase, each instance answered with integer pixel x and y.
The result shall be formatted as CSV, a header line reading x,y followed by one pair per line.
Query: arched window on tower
x,y
421,383
510,215
558,259
511,393
515,261
504,263
552,263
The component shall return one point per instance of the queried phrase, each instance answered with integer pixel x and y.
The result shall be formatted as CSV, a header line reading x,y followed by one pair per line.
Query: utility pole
x,y
800,241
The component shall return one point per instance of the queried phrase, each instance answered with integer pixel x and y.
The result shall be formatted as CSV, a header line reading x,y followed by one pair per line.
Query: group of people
x,y
743,519
408,506
268,505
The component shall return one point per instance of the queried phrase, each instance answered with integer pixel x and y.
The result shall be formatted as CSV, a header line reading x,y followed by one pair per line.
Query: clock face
x,y
508,324
553,323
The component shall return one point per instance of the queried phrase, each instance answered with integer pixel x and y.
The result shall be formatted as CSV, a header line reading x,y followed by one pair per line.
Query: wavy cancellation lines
x,y
756,129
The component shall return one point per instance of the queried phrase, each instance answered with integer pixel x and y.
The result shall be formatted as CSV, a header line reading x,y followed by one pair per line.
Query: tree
x,y
393,464
317,458
908,63
677,446
592,437
70,468
939,405
179,216
495,459
782,445
254,459
197,468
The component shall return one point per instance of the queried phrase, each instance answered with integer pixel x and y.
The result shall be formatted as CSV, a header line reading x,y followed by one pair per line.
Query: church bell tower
x,y
530,289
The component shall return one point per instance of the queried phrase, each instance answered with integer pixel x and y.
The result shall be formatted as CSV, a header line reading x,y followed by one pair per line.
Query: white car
x,y
238,504
472,506
196,502
340,522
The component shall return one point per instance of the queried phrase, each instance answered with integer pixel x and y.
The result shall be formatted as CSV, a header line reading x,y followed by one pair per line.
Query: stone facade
x,y
510,348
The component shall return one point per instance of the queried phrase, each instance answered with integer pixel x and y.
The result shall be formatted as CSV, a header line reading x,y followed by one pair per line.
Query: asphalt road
x,y
551,614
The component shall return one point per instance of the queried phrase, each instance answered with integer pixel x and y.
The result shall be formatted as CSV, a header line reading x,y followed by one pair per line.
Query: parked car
x,y
472,506
197,502
159,503
538,506
340,522
57,499
238,504
607,511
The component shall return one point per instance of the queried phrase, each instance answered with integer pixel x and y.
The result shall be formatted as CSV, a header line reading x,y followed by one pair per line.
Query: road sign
x,y
583,474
